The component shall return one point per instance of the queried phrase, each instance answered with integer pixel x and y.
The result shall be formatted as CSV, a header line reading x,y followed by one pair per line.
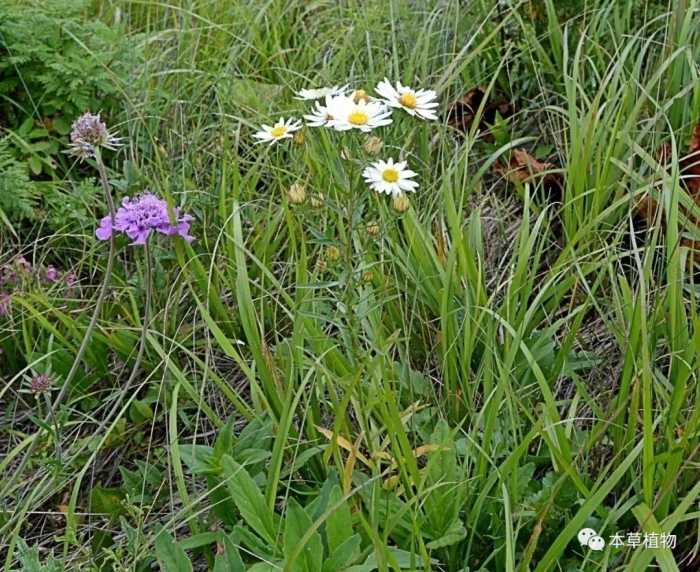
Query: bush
x,y
54,65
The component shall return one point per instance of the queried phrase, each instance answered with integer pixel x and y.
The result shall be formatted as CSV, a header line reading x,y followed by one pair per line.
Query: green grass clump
x,y
324,382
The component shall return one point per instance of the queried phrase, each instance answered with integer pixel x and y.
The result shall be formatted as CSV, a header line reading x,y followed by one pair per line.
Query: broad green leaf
x,y
248,499
454,534
108,501
296,525
339,522
344,555
230,559
171,556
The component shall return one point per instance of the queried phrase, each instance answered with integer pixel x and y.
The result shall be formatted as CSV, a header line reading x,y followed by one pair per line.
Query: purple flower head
x,y
90,132
40,383
138,217
51,274
70,279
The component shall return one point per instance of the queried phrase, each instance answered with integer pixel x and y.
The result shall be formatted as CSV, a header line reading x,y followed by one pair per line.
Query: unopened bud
x,y
360,95
296,193
332,253
373,145
401,203
373,229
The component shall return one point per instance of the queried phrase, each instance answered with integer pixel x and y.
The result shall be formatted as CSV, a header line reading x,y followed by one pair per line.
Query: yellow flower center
x,y
408,99
278,130
390,175
358,117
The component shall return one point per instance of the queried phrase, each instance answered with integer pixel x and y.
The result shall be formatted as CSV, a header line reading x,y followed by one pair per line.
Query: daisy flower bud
x,y
373,145
360,95
400,203
137,218
88,134
296,193
332,253
373,229
318,200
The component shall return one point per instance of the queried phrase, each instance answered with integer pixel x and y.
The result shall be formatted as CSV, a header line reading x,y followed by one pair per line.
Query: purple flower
x,y
88,133
51,274
138,217
70,279
40,383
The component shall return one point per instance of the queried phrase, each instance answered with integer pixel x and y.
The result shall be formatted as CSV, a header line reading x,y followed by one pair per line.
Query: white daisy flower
x,y
415,102
390,178
363,115
280,130
320,116
310,94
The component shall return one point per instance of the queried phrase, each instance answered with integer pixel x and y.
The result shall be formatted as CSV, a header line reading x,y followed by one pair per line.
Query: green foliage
x,y
460,386
55,64
18,193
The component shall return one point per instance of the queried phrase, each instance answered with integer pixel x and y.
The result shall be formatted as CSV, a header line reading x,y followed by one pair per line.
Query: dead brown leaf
x,y
524,168
462,113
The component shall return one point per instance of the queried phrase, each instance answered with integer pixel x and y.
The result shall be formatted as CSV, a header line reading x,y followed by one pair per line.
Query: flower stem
x,y
103,289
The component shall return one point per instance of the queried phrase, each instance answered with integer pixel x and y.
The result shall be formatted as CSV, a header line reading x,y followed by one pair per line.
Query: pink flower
x,y
51,274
